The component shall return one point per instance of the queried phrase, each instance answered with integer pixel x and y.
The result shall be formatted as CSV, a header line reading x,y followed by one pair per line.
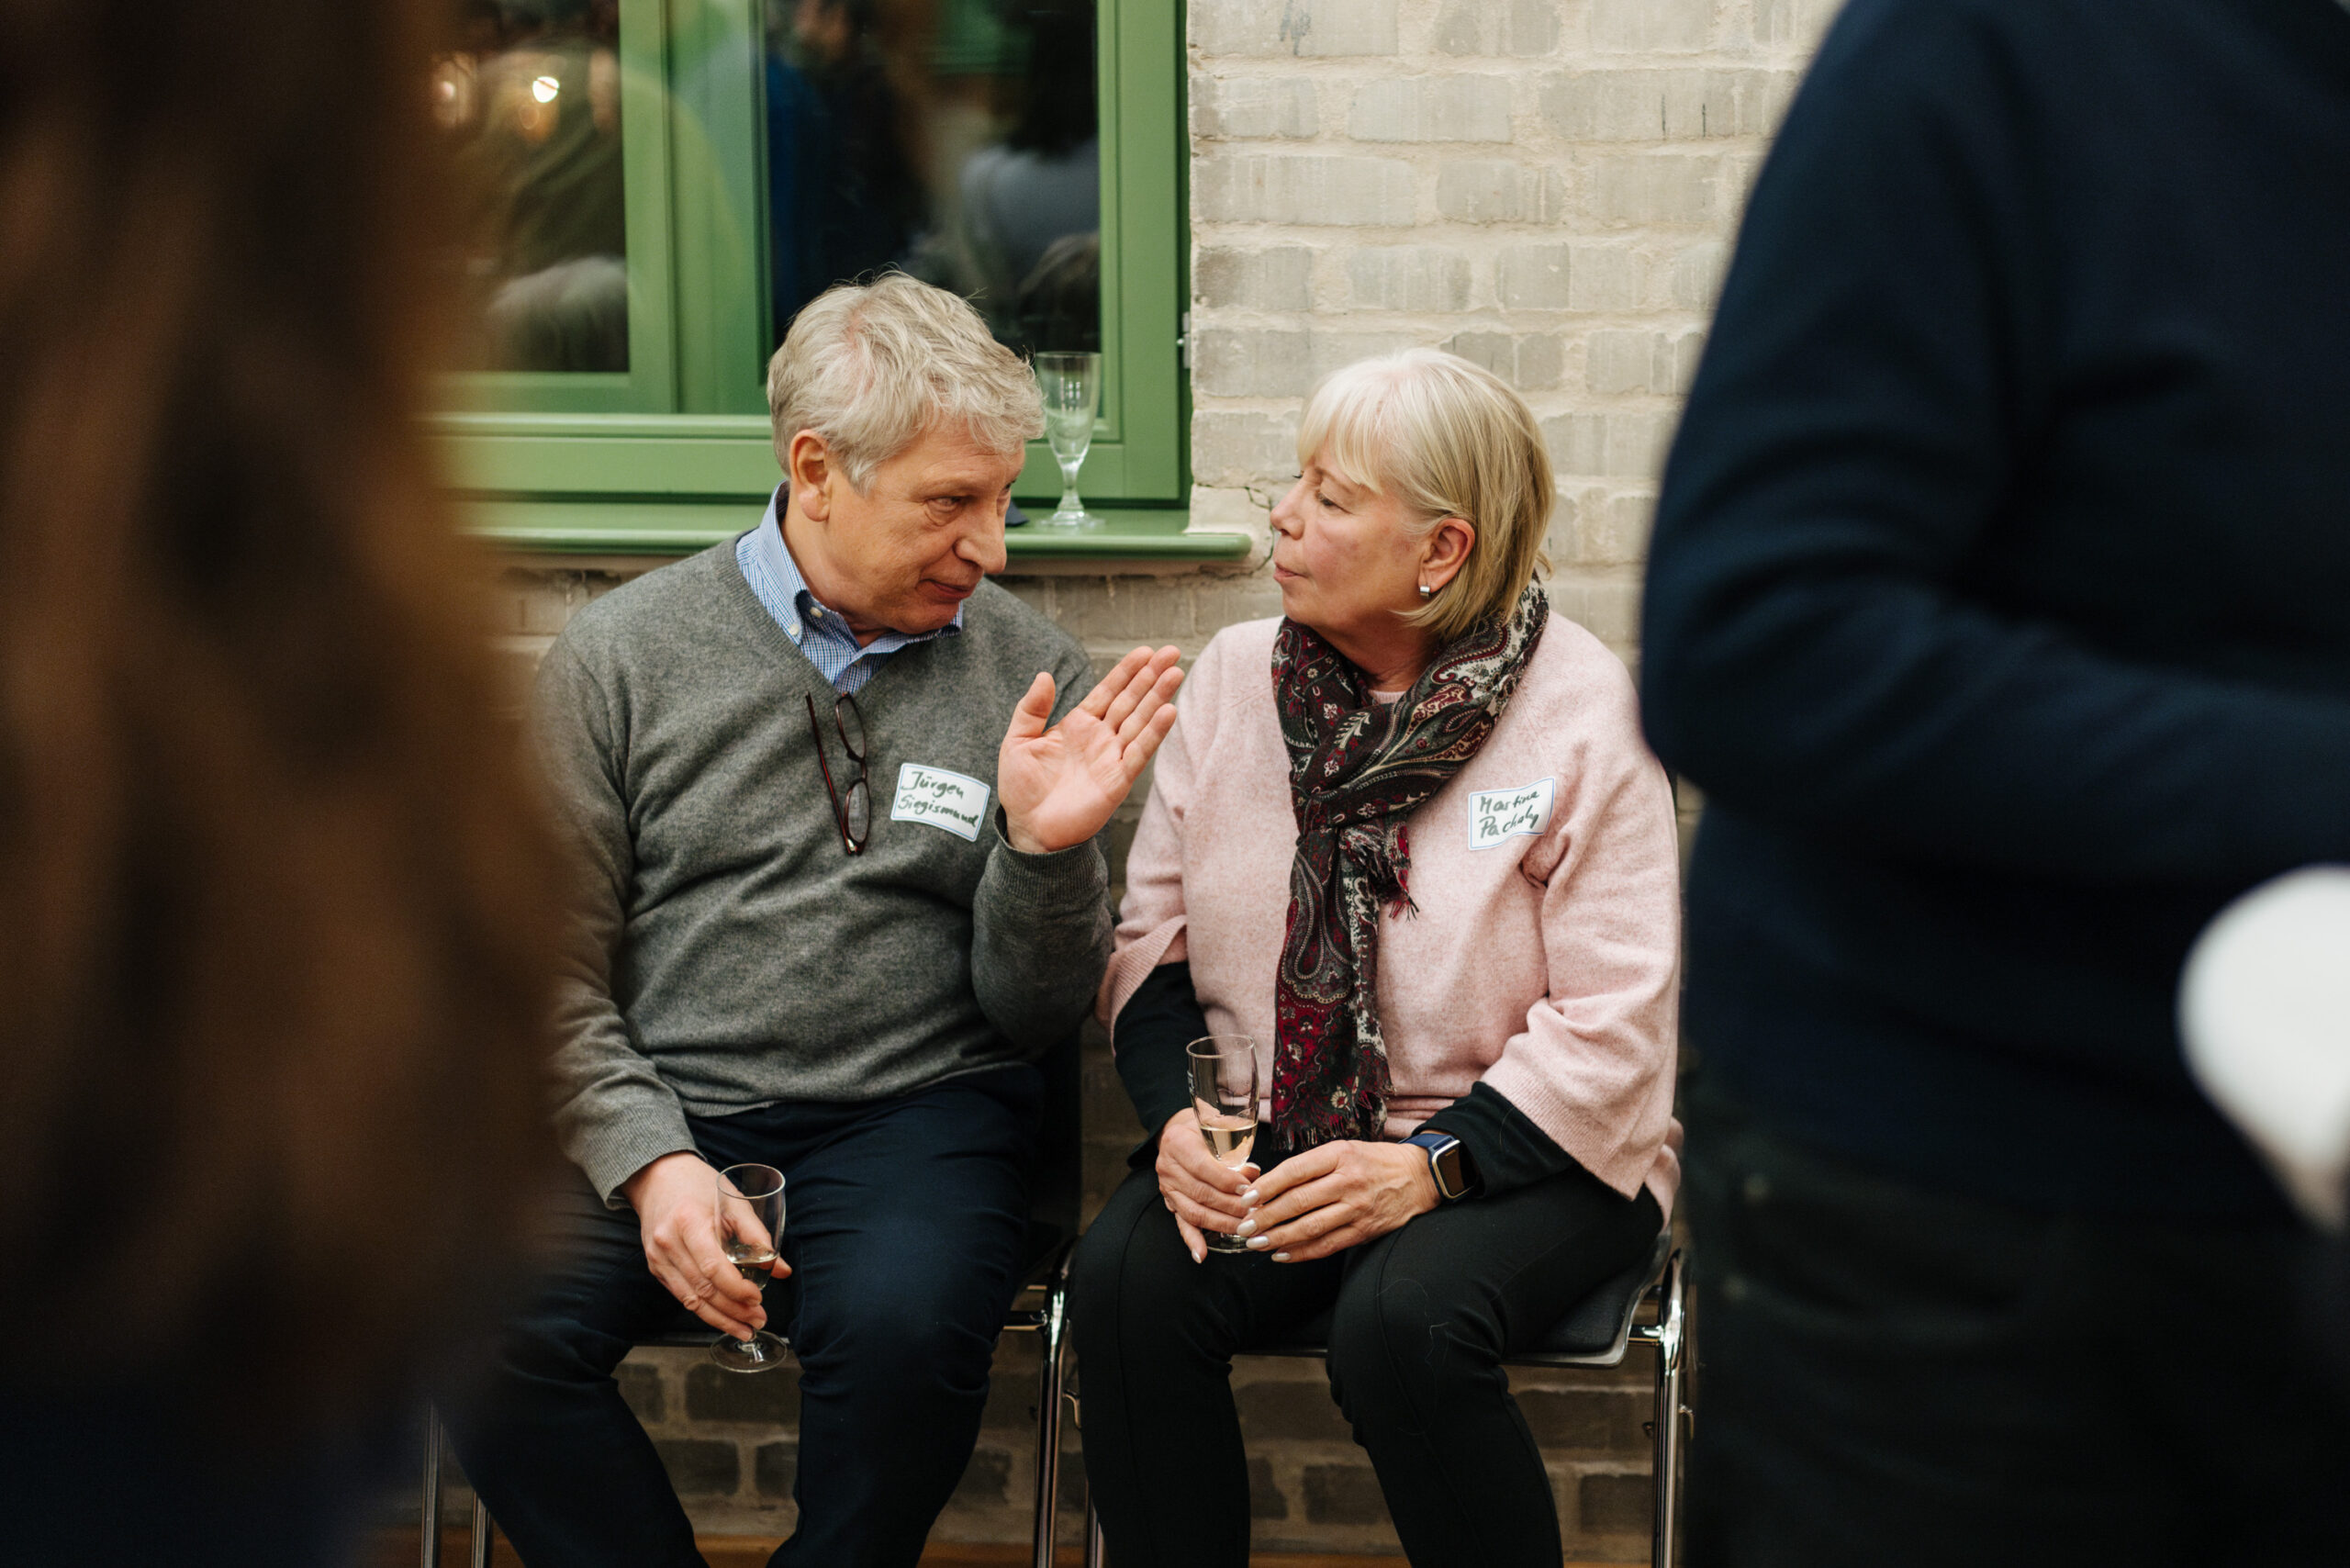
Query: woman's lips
x,y
1282,573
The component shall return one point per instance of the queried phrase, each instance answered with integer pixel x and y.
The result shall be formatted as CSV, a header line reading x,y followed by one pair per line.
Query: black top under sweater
x,y
2000,591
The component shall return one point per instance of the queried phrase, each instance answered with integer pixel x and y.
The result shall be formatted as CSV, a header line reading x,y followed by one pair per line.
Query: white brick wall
x,y
1548,186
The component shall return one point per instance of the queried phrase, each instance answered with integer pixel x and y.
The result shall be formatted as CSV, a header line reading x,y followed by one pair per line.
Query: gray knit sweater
x,y
726,952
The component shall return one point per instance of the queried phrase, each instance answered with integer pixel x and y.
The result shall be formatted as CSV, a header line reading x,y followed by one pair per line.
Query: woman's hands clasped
x,y
1335,1196
1310,1205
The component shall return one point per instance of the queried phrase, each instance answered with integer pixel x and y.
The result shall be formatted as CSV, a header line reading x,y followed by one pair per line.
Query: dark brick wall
x,y
729,1443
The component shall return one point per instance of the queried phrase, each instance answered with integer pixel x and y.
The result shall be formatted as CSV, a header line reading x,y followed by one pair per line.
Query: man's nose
x,y
982,541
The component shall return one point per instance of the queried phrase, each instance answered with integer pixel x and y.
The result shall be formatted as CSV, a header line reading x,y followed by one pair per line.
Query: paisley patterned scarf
x,y
1357,769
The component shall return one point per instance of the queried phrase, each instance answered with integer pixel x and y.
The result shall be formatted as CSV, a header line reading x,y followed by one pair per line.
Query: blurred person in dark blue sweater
x,y
1999,602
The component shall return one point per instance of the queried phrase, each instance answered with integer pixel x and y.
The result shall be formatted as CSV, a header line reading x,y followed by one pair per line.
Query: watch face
x,y
1447,1173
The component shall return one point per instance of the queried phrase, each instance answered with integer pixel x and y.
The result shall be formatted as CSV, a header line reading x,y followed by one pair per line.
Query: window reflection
x,y
532,108
956,139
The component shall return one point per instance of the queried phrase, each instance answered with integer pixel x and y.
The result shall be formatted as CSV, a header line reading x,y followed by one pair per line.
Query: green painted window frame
x,y
667,456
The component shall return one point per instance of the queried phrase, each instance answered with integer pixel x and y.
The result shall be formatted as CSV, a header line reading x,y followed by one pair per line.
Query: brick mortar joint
x,y
1237,319
1573,42
1332,234
1565,326
1337,235
1549,147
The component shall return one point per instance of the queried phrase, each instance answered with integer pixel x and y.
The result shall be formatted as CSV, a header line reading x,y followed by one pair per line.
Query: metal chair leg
x,y
1093,1543
1671,1359
485,1533
1051,1335
427,1514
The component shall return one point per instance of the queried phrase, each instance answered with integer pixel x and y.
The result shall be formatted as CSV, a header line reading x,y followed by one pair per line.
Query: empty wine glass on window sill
x,y
1072,384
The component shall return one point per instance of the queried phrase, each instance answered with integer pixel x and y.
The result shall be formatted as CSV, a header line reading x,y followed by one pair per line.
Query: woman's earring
x,y
1427,592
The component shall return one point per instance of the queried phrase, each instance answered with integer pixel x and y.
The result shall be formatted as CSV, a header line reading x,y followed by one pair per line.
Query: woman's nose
x,y
1285,512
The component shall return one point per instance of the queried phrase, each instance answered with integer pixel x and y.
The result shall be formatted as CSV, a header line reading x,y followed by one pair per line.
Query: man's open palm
x,y
1059,785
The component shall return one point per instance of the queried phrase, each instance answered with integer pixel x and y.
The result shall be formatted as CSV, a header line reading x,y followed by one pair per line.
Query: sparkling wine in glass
x,y
1072,384
750,1228
1224,1097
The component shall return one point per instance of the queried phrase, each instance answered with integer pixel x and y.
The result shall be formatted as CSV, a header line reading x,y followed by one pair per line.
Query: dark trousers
x,y
1894,1375
1421,1318
905,1221
135,1466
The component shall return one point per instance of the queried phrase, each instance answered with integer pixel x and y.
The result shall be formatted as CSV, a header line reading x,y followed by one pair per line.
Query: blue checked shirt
x,y
815,629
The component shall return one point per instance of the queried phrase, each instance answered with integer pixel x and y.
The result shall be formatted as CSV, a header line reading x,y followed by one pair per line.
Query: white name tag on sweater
x,y
945,800
1496,816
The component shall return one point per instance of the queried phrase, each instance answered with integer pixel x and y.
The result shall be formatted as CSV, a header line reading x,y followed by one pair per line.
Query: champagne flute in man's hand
x,y
750,1227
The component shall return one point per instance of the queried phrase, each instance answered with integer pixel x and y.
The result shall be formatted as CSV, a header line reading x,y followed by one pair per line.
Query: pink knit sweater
x,y
1543,957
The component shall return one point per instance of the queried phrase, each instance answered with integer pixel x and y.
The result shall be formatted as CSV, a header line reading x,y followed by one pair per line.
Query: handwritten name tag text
x,y
933,795
1495,815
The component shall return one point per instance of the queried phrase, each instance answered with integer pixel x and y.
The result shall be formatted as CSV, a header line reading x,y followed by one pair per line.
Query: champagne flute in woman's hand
x,y
750,1227
1224,1097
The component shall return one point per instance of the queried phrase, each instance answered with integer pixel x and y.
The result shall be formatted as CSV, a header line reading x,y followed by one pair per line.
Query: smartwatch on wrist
x,y
1448,1163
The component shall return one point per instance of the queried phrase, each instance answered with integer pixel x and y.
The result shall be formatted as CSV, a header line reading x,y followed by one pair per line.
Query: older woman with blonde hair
x,y
1407,838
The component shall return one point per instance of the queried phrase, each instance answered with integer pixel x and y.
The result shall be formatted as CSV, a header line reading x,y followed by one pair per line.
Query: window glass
x,y
531,106
955,140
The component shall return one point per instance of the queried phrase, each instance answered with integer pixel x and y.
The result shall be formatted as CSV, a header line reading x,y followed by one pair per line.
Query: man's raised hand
x,y
1059,786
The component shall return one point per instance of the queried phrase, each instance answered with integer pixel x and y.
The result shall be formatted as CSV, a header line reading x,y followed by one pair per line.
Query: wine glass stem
x,y
1070,501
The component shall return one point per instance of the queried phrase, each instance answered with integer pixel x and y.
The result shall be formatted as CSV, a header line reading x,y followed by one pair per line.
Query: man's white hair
x,y
870,366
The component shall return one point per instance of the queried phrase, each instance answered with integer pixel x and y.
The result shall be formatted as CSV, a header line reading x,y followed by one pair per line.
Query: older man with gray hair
x,y
831,911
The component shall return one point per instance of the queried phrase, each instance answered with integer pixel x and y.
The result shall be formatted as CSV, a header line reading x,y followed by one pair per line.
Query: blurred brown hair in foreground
x,y
271,946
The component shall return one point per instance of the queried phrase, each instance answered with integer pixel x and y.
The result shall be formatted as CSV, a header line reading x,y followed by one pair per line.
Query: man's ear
x,y
812,474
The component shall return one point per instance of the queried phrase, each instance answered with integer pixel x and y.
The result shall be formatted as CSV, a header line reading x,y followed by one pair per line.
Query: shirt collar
x,y
786,589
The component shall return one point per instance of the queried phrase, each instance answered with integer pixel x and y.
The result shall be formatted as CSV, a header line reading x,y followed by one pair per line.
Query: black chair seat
x,y
1592,1332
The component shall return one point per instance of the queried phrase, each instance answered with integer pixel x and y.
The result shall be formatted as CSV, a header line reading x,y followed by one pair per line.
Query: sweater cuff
x,y
1147,1039
1058,881
1503,1145
609,1158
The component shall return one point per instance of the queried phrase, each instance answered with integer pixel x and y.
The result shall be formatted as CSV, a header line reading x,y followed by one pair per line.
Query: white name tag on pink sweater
x,y
952,800
1496,816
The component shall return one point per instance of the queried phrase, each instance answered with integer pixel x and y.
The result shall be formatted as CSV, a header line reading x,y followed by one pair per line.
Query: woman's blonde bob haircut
x,y
1448,439
869,367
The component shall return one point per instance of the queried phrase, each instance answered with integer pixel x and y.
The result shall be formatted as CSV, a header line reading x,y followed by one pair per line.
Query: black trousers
x,y
1894,1375
1421,1319
904,1224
